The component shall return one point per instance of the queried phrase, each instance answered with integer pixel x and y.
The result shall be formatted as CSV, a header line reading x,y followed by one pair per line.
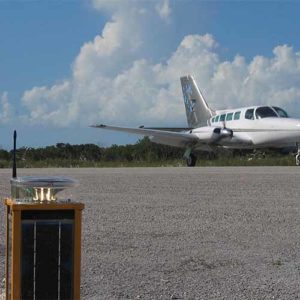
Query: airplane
x,y
253,127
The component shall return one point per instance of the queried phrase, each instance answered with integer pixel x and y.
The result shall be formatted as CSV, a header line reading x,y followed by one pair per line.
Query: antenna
x,y
14,170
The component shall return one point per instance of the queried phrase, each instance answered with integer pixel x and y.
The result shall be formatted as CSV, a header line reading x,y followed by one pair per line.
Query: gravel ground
x,y
185,233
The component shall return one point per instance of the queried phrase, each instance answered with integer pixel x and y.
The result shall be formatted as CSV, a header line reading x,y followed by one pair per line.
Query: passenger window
x,y
222,117
249,114
237,115
229,117
213,120
217,118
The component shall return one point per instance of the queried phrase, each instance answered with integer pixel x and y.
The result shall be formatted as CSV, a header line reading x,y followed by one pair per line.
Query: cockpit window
x,y
281,113
249,114
265,112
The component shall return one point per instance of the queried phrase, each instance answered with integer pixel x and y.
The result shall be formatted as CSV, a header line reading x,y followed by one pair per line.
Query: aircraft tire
x,y
297,160
191,160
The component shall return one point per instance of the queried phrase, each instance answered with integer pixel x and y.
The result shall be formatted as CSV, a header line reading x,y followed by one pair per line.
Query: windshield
x,y
265,112
281,113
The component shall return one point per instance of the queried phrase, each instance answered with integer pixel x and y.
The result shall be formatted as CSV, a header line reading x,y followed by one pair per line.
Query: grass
x,y
280,160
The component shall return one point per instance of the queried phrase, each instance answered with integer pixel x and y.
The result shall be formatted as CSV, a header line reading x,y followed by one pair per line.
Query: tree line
x,y
142,152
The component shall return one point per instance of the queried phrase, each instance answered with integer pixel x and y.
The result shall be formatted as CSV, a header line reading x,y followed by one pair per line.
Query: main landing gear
x,y
191,158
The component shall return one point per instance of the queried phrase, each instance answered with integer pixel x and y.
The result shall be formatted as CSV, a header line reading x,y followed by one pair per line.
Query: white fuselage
x,y
251,133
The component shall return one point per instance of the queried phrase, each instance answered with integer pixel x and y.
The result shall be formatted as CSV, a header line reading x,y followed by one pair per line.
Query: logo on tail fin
x,y
187,95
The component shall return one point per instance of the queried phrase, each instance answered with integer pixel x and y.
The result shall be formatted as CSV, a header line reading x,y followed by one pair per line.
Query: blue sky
x,y
67,64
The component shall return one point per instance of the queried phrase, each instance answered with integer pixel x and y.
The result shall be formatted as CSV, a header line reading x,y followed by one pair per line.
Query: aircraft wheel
x,y
191,160
298,160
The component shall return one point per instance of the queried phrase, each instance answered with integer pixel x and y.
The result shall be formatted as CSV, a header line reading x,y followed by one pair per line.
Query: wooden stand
x,y
43,250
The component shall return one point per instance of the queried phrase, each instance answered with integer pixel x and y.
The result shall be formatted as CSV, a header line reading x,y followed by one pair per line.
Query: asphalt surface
x,y
185,233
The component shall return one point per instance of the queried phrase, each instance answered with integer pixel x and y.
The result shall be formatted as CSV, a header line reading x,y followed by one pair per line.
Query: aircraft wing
x,y
198,137
174,129
178,138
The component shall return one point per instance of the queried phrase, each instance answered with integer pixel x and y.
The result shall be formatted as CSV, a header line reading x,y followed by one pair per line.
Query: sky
x,y
67,64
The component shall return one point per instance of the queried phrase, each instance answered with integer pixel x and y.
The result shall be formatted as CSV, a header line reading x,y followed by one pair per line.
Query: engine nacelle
x,y
224,132
212,134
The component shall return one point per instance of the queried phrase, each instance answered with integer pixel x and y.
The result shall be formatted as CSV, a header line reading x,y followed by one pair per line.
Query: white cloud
x,y
50,105
164,10
113,82
6,110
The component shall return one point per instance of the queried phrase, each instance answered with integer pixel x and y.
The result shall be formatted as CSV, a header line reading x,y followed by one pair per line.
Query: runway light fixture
x,y
39,189
43,238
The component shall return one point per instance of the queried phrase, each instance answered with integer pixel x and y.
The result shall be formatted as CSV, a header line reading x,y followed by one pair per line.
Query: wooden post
x,y
7,252
77,254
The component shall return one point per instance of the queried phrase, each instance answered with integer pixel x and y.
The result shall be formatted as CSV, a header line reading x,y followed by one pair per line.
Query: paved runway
x,y
186,233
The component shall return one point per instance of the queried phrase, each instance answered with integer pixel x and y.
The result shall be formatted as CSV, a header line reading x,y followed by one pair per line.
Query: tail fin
x,y
197,110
